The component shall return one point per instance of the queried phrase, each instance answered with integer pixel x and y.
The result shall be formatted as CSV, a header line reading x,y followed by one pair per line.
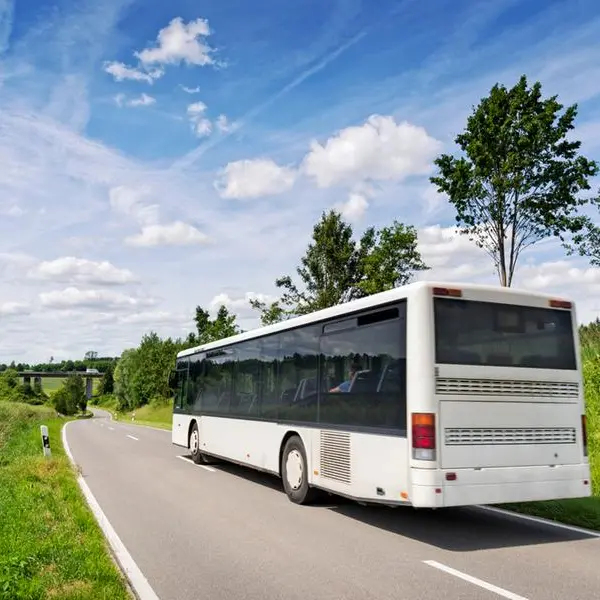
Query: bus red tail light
x,y
584,434
423,436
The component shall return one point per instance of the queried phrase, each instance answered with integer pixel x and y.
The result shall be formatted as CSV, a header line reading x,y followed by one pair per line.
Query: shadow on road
x,y
453,529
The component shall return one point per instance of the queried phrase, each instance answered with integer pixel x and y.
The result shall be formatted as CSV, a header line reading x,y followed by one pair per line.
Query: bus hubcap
x,y
293,469
194,442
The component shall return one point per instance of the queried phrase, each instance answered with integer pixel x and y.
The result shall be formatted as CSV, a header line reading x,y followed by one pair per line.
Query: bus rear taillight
x,y
423,436
584,434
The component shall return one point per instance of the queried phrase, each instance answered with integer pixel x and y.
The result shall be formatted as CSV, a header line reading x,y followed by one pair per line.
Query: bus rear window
x,y
502,335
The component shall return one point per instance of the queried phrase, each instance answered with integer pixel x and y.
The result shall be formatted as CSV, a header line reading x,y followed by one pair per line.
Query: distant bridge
x,y
38,375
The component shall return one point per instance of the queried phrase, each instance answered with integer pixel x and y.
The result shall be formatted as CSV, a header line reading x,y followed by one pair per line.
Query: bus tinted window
x,y
494,334
363,373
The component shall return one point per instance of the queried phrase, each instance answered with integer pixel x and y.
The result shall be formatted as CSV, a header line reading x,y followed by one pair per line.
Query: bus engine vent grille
x,y
335,456
506,387
523,435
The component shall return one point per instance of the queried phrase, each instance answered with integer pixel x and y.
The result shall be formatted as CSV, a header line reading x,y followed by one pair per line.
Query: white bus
x,y
431,395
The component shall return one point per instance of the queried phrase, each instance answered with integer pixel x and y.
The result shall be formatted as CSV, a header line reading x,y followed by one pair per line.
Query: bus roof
x,y
372,301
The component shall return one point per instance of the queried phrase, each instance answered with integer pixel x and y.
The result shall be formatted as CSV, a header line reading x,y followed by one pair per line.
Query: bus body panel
x,y
180,429
360,465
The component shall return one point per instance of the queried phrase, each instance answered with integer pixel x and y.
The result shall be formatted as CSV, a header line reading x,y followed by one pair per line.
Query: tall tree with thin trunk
x,y
519,178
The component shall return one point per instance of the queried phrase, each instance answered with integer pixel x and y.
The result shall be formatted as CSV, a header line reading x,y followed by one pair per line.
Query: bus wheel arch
x,y
292,456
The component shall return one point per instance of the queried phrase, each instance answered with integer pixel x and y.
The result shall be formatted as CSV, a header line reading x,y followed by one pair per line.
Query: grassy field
x,y
155,415
50,543
51,384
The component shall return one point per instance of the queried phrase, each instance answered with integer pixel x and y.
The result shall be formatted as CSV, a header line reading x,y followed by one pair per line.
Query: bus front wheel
x,y
294,472
194,445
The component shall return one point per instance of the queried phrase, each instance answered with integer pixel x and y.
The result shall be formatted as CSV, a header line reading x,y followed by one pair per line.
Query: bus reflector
x,y
423,436
439,291
450,476
560,304
584,434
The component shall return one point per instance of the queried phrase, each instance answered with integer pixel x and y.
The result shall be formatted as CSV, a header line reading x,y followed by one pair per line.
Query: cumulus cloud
x,y
171,234
224,125
73,297
201,126
380,149
254,178
130,201
189,90
121,72
142,100
354,208
80,270
240,305
9,309
180,42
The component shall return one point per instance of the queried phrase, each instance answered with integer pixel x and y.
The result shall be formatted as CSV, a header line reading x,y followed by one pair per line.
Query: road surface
x,y
227,533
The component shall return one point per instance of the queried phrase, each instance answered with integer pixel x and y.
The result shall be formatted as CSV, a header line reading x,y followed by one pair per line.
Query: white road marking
x,y
133,437
541,521
205,467
129,567
479,582
112,428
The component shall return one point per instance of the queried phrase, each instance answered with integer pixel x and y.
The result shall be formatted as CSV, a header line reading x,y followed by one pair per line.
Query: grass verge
x,y
156,414
50,543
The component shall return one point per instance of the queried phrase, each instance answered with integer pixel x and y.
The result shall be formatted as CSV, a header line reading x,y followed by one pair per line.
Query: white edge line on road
x,y
479,582
540,520
133,437
112,428
133,573
205,467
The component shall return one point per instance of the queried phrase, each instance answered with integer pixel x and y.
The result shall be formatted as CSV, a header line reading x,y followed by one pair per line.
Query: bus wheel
x,y
294,472
195,444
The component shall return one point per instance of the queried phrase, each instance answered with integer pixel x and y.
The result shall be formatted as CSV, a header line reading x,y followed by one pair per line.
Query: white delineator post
x,y
45,440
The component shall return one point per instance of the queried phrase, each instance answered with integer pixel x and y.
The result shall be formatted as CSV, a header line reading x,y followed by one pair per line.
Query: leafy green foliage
x,y
519,178
107,383
211,330
336,268
13,390
71,397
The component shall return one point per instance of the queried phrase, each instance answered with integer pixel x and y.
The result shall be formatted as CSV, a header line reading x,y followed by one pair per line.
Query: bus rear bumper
x,y
432,489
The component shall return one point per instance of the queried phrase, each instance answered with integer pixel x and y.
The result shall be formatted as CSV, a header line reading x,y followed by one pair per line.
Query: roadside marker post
x,y
45,440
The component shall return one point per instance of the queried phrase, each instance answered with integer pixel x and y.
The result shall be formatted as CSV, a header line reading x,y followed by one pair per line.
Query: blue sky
x,y
156,156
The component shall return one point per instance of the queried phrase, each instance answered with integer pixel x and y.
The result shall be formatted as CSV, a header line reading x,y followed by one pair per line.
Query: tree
x,y
211,330
519,179
587,242
107,383
337,269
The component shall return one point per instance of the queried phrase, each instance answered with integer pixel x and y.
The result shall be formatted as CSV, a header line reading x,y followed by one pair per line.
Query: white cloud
x,y
180,42
14,211
254,178
190,90
171,234
224,125
129,201
201,126
143,100
380,149
354,208
121,72
9,309
240,305
73,297
80,270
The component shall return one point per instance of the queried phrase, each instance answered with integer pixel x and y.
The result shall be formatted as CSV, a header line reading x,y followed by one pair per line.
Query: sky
x,y
156,156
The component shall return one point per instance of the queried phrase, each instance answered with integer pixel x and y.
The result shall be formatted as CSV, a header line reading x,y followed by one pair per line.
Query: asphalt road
x,y
229,533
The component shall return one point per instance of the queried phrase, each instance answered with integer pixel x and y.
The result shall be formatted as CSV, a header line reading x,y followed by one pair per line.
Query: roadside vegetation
x,y
50,543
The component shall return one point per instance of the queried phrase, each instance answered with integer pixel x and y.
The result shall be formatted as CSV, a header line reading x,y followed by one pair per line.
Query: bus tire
x,y
200,458
294,472
194,444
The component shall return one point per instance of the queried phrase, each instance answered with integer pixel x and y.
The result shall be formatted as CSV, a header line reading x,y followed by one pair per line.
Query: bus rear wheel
x,y
294,472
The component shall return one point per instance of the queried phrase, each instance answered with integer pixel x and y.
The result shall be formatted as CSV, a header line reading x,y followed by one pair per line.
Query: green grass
x,y
156,414
51,384
50,543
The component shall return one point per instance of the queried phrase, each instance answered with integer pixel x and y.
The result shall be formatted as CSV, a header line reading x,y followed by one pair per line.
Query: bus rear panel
x,y
507,420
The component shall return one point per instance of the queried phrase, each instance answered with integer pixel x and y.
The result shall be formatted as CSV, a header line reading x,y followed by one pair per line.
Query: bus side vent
x,y
509,436
335,456
506,387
